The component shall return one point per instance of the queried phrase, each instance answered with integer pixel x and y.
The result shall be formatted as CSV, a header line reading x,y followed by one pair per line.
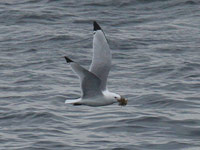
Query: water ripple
x,y
155,47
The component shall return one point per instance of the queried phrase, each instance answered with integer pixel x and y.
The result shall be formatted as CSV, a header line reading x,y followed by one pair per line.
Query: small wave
x,y
168,145
143,119
61,37
31,50
40,16
122,149
175,4
16,118
160,101
33,1
48,144
188,122
190,2
189,66
181,86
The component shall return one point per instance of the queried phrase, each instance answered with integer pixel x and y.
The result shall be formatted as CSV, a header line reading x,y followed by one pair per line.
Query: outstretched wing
x,y
90,83
101,61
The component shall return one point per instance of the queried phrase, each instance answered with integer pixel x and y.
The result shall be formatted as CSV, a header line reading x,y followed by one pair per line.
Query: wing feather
x,y
101,60
90,83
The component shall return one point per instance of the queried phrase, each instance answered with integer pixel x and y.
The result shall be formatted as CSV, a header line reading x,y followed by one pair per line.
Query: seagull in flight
x,y
93,81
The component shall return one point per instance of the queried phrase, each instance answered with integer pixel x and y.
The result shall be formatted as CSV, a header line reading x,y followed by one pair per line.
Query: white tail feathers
x,y
72,101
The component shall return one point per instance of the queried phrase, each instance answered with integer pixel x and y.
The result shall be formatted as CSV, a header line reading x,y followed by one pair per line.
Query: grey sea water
x,y
156,65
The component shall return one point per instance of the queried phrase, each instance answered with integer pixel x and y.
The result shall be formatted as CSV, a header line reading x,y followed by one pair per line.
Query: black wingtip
x,y
96,26
67,59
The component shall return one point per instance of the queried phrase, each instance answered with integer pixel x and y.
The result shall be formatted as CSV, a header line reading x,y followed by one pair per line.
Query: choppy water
x,y
156,65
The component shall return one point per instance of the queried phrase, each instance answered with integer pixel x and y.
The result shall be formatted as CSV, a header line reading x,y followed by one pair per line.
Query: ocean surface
x,y
156,65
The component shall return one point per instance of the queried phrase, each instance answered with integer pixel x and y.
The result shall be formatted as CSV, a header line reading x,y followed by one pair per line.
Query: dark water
x,y
156,65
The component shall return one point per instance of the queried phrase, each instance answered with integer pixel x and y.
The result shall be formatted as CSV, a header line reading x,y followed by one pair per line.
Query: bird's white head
x,y
116,97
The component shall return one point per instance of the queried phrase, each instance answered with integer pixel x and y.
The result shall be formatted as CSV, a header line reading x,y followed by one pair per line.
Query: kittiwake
x,y
93,82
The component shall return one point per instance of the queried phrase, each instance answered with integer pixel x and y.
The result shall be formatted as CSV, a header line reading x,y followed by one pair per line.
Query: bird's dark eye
x,y
115,97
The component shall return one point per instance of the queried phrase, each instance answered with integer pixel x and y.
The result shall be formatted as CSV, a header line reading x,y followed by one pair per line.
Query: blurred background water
x,y
156,65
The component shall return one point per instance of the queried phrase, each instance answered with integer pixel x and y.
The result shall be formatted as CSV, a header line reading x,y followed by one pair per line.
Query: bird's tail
x,y
73,101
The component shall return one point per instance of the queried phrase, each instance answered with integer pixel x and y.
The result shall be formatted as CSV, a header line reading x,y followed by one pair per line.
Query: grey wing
x,y
101,61
90,83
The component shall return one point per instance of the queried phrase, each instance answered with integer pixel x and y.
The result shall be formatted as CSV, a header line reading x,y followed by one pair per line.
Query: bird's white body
x,y
106,99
